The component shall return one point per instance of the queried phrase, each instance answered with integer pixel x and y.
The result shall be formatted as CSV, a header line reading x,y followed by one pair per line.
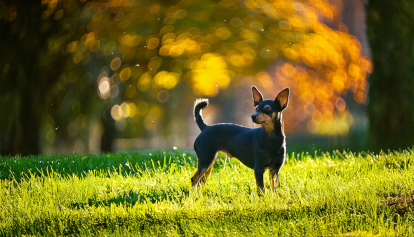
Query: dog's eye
x,y
267,109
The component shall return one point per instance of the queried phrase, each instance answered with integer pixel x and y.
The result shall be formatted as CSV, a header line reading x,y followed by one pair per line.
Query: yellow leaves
x,y
332,126
246,57
223,33
154,114
176,46
223,81
167,80
132,109
72,46
119,16
88,39
125,73
153,43
144,82
130,40
180,13
292,54
249,34
95,45
155,8
256,26
295,22
209,74
78,57
268,53
168,38
236,22
319,64
237,60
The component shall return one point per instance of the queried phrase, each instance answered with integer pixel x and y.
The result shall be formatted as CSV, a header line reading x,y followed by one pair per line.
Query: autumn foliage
x,y
144,50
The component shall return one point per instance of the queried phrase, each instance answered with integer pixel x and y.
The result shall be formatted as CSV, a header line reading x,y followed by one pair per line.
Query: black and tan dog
x,y
259,149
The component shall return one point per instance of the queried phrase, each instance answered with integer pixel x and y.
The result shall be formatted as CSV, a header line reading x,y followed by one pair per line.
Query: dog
x,y
258,148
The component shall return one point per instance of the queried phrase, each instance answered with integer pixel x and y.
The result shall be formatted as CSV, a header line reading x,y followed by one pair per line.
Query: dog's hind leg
x,y
205,163
203,178
272,173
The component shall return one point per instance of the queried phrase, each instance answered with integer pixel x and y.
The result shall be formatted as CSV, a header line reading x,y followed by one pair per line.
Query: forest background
x,y
102,76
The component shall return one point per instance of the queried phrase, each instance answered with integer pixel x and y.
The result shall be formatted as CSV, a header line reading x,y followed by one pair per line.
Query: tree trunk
x,y
390,30
21,91
109,131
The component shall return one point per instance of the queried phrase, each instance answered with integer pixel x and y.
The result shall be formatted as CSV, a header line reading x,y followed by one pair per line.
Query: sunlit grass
x,y
149,193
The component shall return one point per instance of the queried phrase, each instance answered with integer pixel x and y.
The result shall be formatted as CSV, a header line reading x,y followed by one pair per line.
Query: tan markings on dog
x,y
261,117
266,122
268,126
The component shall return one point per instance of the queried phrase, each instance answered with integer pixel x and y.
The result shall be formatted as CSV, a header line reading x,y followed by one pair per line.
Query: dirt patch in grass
x,y
400,204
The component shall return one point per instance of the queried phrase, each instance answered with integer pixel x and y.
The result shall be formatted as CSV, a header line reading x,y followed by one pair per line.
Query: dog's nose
x,y
254,116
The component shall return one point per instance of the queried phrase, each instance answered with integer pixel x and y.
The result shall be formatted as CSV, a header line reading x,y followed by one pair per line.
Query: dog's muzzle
x,y
254,118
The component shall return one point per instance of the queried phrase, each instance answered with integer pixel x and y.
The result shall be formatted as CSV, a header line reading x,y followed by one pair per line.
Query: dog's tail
x,y
199,104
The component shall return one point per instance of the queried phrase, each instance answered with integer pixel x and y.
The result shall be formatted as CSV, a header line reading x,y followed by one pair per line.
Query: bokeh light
x,y
137,68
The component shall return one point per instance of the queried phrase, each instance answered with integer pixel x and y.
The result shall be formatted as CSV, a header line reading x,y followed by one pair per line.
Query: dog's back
x,y
233,139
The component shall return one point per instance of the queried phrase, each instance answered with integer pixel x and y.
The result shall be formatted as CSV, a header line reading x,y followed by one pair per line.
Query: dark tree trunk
x,y
390,30
109,131
21,87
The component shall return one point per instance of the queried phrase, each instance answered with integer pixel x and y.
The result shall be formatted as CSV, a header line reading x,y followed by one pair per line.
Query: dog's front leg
x,y
258,174
272,173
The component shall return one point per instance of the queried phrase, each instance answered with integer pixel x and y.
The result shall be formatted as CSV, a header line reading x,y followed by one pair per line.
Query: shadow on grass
x,y
130,198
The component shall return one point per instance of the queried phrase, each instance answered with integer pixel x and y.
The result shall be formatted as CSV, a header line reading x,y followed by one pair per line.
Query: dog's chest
x,y
268,154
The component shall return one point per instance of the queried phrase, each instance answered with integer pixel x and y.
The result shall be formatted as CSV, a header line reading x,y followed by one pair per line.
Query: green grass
x,y
148,193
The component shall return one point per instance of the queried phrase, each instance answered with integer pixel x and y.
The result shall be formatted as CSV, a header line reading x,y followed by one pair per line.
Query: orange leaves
x,y
316,99
179,45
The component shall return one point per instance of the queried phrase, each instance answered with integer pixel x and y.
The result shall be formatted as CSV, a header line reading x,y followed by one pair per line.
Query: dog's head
x,y
268,111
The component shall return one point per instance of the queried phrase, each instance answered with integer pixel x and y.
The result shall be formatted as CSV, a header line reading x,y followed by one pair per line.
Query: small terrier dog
x,y
257,148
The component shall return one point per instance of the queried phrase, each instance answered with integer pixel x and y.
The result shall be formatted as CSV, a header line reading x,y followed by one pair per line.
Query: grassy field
x,y
149,193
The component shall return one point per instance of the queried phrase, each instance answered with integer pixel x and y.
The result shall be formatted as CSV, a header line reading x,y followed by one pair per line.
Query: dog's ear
x,y
283,98
257,96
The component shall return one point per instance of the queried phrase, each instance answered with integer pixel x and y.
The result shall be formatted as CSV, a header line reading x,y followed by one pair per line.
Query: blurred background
x,y
107,75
